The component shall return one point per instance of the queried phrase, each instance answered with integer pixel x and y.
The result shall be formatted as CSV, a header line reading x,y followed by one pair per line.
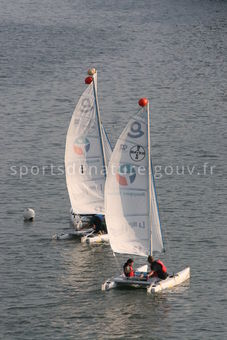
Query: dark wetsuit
x,y
100,226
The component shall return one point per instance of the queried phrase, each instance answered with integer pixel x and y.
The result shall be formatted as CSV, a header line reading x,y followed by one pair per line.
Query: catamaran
x,y
87,154
131,205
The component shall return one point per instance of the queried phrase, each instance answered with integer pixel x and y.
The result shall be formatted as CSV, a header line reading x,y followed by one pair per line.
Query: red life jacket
x,y
164,269
131,273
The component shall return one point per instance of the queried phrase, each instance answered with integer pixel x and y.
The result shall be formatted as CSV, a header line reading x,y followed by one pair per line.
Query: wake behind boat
x,y
131,206
74,234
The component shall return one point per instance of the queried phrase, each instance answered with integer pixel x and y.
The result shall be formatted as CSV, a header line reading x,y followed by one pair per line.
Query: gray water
x,y
173,52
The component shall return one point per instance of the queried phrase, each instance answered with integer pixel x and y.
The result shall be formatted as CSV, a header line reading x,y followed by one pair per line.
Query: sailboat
x,y
131,206
87,154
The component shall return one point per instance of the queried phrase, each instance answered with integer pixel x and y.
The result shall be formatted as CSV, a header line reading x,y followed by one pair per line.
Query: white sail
x,y
131,208
85,152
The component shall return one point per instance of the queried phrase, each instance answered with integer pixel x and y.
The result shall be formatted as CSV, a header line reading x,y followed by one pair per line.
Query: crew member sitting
x,y
128,268
158,269
98,224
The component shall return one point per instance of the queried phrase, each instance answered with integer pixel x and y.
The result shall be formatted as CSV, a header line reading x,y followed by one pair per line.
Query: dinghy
x,y
87,154
131,206
153,285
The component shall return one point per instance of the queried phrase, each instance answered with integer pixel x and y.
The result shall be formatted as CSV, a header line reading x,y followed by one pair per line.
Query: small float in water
x,y
29,215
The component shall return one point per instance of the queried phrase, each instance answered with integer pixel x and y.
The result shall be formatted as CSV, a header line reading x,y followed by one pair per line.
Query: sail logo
x,y
86,105
81,146
126,174
137,153
123,147
84,115
136,130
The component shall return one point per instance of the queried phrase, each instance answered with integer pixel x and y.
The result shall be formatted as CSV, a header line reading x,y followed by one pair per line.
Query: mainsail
x,y
130,199
86,155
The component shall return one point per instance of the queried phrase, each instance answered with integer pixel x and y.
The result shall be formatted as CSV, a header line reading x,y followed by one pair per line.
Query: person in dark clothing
x,y
98,224
158,269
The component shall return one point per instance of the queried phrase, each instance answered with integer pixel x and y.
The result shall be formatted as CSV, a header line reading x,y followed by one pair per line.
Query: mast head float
x,y
143,102
88,80
91,71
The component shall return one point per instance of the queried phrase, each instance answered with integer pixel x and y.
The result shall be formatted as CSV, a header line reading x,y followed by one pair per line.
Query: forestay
x,y
131,212
86,153
106,145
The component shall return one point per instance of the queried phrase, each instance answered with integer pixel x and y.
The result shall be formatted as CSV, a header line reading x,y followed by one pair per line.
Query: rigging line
x,y
136,114
156,198
117,262
108,140
149,176
167,246
99,125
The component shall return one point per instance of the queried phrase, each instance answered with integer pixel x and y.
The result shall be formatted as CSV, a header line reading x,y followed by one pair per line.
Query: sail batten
x,y
130,199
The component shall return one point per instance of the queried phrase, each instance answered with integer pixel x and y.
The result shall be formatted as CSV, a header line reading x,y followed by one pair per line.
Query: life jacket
x,y
164,269
130,273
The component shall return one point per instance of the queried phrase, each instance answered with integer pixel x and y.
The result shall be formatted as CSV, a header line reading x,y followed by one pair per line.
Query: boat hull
x,y
170,282
153,285
95,239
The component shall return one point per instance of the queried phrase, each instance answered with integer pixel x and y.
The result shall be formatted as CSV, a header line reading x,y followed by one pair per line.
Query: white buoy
x,y
29,214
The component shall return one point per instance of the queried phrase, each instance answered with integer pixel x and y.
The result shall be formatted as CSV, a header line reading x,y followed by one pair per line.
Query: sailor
x,y
98,224
158,269
128,268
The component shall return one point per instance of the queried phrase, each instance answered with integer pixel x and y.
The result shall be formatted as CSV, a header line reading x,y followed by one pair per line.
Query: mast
x,y
149,174
99,126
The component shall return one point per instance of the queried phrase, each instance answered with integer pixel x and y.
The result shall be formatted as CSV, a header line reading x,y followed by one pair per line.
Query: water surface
x,y
175,54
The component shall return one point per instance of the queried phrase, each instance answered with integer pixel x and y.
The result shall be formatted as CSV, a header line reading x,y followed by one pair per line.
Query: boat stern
x,y
108,284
